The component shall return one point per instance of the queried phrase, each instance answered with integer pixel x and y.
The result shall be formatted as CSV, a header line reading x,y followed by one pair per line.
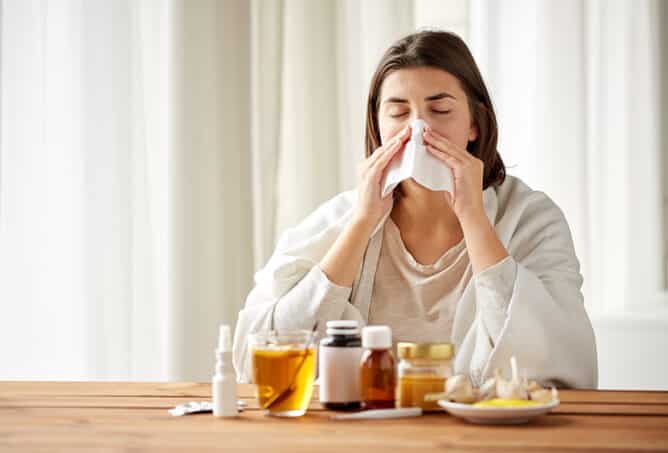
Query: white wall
x,y
633,347
633,350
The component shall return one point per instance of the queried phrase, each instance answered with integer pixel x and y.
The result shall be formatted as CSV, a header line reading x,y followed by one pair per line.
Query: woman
x,y
490,268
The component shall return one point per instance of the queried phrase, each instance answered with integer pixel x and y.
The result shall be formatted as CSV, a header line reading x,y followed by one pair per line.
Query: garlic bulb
x,y
513,389
533,386
488,388
458,388
542,395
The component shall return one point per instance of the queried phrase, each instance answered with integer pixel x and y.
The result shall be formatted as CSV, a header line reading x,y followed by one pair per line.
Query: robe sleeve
x,y
530,305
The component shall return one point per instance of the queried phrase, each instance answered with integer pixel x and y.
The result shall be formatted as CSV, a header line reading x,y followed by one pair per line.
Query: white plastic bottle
x,y
339,364
224,382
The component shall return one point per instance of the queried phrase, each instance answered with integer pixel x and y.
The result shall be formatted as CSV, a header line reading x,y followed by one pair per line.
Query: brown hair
x,y
446,51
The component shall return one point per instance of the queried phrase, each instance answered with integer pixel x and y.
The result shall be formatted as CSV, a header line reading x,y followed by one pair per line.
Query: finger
x,y
389,145
446,145
442,153
382,155
387,157
383,172
452,163
392,147
379,169
448,151
449,159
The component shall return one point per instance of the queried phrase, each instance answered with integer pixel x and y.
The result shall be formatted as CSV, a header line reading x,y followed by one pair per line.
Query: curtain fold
x,y
41,255
209,179
266,70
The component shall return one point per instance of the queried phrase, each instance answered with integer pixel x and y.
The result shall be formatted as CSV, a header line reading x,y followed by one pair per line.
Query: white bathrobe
x,y
543,323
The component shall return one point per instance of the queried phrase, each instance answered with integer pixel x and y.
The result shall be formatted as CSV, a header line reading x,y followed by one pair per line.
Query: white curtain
x,y
125,220
81,211
577,89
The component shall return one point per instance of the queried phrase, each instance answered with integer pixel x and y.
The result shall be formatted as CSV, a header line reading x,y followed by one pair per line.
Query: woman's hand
x,y
467,172
483,244
370,205
343,260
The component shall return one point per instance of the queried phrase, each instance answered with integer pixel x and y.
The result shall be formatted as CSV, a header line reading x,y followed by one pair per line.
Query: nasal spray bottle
x,y
224,382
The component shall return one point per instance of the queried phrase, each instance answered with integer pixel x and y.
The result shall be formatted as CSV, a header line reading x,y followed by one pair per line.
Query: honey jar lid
x,y
434,351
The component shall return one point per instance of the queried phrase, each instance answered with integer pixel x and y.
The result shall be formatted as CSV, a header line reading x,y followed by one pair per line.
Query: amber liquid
x,y
275,370
377,379
413,388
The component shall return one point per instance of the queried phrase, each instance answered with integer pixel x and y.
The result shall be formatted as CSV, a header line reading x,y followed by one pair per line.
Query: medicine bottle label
x,y
339,374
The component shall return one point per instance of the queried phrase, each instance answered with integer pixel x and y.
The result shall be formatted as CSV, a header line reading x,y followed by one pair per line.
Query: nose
x,y
417,128
418,112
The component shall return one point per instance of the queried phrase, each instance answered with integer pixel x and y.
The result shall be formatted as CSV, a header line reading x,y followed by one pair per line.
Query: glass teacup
x,y
284,370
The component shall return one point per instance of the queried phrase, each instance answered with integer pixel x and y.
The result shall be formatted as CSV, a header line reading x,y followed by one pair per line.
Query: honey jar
x,y
423,369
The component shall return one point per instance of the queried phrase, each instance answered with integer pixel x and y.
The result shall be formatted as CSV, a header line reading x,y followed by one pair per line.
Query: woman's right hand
x,y
370,205
343,260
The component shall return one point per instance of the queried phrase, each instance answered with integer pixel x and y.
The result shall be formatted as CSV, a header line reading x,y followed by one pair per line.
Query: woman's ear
x,y
473,132
473,128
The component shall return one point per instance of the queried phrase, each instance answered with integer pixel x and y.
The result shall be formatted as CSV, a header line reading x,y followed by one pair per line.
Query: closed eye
x,y
441,111
398,115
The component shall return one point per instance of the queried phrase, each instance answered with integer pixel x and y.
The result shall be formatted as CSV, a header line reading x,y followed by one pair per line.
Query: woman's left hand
x,y
484,247
467,172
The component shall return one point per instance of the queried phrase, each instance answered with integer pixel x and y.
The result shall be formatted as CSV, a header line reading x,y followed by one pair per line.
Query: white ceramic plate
x,y
496,415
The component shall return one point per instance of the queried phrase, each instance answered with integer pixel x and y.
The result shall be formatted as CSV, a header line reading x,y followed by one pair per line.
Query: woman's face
x,y
431,94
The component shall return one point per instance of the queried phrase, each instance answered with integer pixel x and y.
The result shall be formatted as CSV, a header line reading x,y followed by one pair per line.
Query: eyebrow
x,y
433,97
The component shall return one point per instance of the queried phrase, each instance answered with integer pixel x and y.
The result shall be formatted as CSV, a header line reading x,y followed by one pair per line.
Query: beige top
x,y
417,301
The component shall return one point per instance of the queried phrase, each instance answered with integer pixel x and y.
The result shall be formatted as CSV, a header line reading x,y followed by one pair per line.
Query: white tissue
x,y
418,163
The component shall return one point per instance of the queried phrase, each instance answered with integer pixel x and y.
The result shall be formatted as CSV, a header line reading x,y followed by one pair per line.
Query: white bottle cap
x,y
377,337
224,339
343,327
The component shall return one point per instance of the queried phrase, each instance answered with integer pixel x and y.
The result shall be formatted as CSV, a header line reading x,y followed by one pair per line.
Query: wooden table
x,y
114,416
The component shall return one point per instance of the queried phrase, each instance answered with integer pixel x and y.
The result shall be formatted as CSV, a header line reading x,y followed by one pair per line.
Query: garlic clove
x,y
541,395
458,388
488,389
533,386
544,395
513,389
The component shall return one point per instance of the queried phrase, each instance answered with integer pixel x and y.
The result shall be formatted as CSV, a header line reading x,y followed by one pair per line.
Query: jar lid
x,y
435,351
377,337
343,327
343,324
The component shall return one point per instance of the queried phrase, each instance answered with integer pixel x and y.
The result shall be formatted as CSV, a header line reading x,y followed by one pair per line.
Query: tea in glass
x,y
284,369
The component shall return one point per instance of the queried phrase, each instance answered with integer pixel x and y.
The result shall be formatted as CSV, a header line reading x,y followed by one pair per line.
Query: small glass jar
x,y
423,369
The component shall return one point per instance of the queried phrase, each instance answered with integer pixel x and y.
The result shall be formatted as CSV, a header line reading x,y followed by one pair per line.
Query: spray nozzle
x,y
224,339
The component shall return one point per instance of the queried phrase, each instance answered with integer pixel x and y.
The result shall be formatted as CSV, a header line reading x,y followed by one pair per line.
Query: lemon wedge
x,y
498,402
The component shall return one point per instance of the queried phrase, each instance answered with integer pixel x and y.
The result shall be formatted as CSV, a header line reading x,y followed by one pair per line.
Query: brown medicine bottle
x,y
377,368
